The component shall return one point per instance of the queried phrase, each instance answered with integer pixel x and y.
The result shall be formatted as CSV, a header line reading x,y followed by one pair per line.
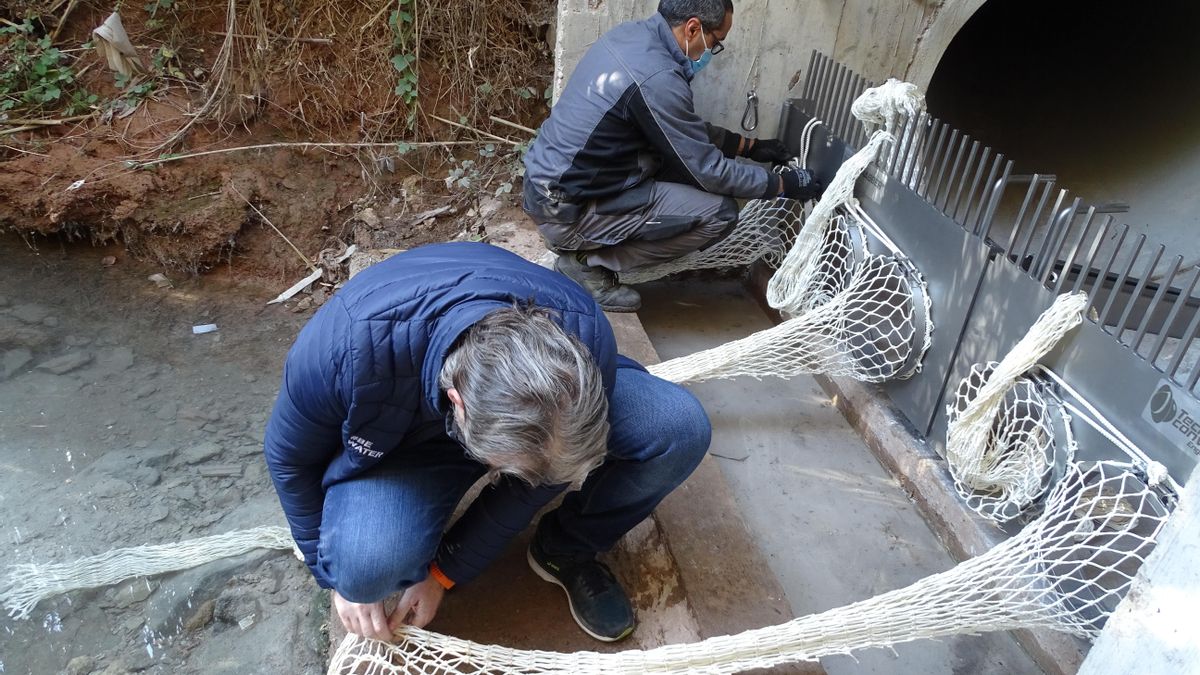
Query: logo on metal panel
x,y
1168,410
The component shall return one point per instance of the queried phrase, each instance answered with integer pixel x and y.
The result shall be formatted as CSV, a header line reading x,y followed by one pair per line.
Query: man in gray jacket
x,y
625,174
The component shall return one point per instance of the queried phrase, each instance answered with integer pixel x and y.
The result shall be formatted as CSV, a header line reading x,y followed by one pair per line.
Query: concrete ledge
x,y
927,480
729,585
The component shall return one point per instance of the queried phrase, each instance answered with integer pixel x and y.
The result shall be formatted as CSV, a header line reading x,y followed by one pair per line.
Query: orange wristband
x,y
439,576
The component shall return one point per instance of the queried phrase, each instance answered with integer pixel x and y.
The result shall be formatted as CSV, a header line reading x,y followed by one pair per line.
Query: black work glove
x,y
770,151
800,184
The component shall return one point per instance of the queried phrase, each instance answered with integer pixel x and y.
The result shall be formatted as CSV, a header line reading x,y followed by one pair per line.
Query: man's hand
x,y
770,151
800,184
368,620
418,604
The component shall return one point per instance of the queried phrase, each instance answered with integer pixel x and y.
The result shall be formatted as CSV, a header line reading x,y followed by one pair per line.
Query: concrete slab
x,y
835,526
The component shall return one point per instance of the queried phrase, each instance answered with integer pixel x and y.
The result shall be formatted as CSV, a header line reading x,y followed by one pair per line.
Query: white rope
x,y
886,104
1064,571
999,461
787,289
24,585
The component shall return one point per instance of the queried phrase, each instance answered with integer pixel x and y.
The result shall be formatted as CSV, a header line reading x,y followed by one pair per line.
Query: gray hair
x,y
533,397
710,12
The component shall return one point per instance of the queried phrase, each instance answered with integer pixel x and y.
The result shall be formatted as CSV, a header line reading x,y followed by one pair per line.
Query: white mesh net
x,y
26,584
864,329
1002,445
764,231
1065,571
1028,446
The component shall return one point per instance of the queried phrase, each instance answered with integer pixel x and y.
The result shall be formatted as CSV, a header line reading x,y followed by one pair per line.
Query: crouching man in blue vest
x,y
445,364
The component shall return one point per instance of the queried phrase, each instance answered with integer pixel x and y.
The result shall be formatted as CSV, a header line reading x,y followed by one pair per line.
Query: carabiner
x,y
750,117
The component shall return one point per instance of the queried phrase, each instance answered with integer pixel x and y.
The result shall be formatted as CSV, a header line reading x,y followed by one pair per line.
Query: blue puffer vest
x,y
361,380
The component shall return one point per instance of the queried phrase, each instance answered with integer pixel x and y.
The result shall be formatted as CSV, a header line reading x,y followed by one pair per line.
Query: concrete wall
x,y
1154,628
771,41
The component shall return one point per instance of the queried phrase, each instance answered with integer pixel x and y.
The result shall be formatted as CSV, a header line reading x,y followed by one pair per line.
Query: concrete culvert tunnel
x,y
1102,95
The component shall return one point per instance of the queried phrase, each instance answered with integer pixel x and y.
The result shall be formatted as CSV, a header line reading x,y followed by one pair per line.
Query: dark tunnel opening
x,y
1104,95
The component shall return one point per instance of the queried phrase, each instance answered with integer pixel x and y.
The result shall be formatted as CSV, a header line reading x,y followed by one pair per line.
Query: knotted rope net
x,y
26,584
1004,441
1064,571
764,231
863,326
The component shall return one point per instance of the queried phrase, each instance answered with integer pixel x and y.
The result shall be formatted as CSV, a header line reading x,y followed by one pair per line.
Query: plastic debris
x,y
299,286
113,43
204,328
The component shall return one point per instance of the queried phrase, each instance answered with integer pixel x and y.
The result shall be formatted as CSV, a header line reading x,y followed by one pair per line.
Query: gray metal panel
x,y
951,260
953,264
1103,371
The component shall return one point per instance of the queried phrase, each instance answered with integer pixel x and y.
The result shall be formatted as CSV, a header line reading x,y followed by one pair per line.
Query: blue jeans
x,y
380,531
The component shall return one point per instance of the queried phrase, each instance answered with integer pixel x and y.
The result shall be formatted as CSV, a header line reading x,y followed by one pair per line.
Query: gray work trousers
x,y
650,224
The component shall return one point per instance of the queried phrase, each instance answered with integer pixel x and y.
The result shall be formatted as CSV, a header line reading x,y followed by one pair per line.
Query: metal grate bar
x,y
1184,343
1054,240
1019,221
1180,303
1158,296
1120,281
944,190
810,83
974,199
1123,324
1090,257
916,152
1069,264
940,133
1112,259
962,179
1037,214
942,165
983,227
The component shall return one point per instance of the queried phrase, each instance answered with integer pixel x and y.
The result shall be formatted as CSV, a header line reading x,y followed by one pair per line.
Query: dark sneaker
x,y
601,283
598,602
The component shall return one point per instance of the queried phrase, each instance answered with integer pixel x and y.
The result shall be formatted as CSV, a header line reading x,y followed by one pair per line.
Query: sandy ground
x,y
120,427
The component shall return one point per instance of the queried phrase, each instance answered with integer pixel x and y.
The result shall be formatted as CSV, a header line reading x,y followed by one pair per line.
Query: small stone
x,y
121,359
235,605
80,665
134,592
66,363
186,493
369,218
201,452
145,390
154,457
226,499
249,450
249,379
50,322
30,314
15,334
77,341
108,261
13,361
199,415
145,476
157,512
160,280
110,487
201,617
167,411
